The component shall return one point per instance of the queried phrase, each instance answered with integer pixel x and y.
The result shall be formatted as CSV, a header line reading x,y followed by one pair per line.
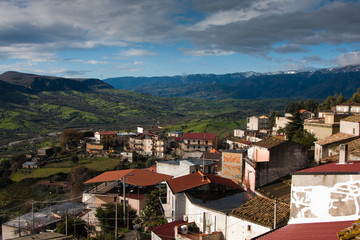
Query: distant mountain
x,y
33,104
49,83
248,85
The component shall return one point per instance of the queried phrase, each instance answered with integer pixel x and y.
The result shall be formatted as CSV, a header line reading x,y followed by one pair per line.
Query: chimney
x,y
343,159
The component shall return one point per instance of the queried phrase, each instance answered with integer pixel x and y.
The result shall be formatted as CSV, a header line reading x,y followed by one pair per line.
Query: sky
x,y
116,38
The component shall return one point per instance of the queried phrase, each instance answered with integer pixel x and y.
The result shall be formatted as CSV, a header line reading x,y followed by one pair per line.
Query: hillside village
x,y
260,186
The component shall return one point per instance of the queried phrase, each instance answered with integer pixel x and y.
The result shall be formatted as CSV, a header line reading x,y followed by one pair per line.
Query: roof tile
x,y
139,177
261,210
205,136
335,138
198,179
305,231
335,167
269,142
352,118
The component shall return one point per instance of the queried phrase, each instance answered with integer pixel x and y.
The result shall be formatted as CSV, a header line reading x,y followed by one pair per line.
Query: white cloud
x,y
89,61
207,52
351,58
132,52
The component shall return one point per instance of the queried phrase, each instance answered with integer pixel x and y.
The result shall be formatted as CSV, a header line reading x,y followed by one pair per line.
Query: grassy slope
x,y
118,109
98,164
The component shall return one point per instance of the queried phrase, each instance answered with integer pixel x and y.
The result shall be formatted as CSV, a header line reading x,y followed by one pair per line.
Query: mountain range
x,y
33,104
247,85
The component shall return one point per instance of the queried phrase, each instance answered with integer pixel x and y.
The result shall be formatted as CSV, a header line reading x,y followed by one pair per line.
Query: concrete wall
x,y
252,123
232,165
249,177
213,221
9,232
285,158
261,154
243,230
321,130
206,219
173,170
323,198
350,128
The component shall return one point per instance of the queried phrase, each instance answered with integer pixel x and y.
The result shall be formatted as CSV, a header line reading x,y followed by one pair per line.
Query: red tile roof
x,y
205,136
353,118
335,167
166,231
261,210
197,179
138,177
107,133
269,142
306,231
336,138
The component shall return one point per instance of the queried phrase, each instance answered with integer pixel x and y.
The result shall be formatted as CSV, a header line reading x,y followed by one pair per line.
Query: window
x,y
354,131
249,227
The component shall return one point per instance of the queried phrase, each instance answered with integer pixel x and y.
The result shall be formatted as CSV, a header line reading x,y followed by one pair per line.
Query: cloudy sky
x,y
113,38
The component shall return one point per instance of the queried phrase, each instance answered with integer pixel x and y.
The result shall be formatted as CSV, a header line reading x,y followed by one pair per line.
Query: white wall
x,y
242,229
324,198
349,127
231,227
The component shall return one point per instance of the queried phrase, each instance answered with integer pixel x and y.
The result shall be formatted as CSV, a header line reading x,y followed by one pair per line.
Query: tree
x,y
77,225
151,215
75,159
332,101
272,118
304,138
78,176
293,107
69,138
106,216
294,126
355,97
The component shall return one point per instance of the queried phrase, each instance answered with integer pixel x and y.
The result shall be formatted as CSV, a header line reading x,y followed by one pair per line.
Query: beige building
x,y
324,126
349,130
280,123
257,123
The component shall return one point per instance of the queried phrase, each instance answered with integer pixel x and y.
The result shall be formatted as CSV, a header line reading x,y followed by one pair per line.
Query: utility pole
x,y
33,218
66,225
74,227
116,217
275,210
124,202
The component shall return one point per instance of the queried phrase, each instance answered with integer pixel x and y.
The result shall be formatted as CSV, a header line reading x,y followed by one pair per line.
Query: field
x,y
96,163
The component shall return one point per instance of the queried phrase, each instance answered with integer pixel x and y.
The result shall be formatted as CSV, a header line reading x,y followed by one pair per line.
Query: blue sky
x,y
114,38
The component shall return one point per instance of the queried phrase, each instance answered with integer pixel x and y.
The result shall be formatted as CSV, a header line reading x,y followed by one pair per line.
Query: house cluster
x,y
261,187
39,159
151,142
204,200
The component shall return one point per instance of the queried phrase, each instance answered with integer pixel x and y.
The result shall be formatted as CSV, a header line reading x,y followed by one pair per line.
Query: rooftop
x,y
335,138
190,162
43,236
269,142
305,231
352,118
43,218
211,156
107,133
222,202
166,231
334,167
198,179
205,136
261,210
138,177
